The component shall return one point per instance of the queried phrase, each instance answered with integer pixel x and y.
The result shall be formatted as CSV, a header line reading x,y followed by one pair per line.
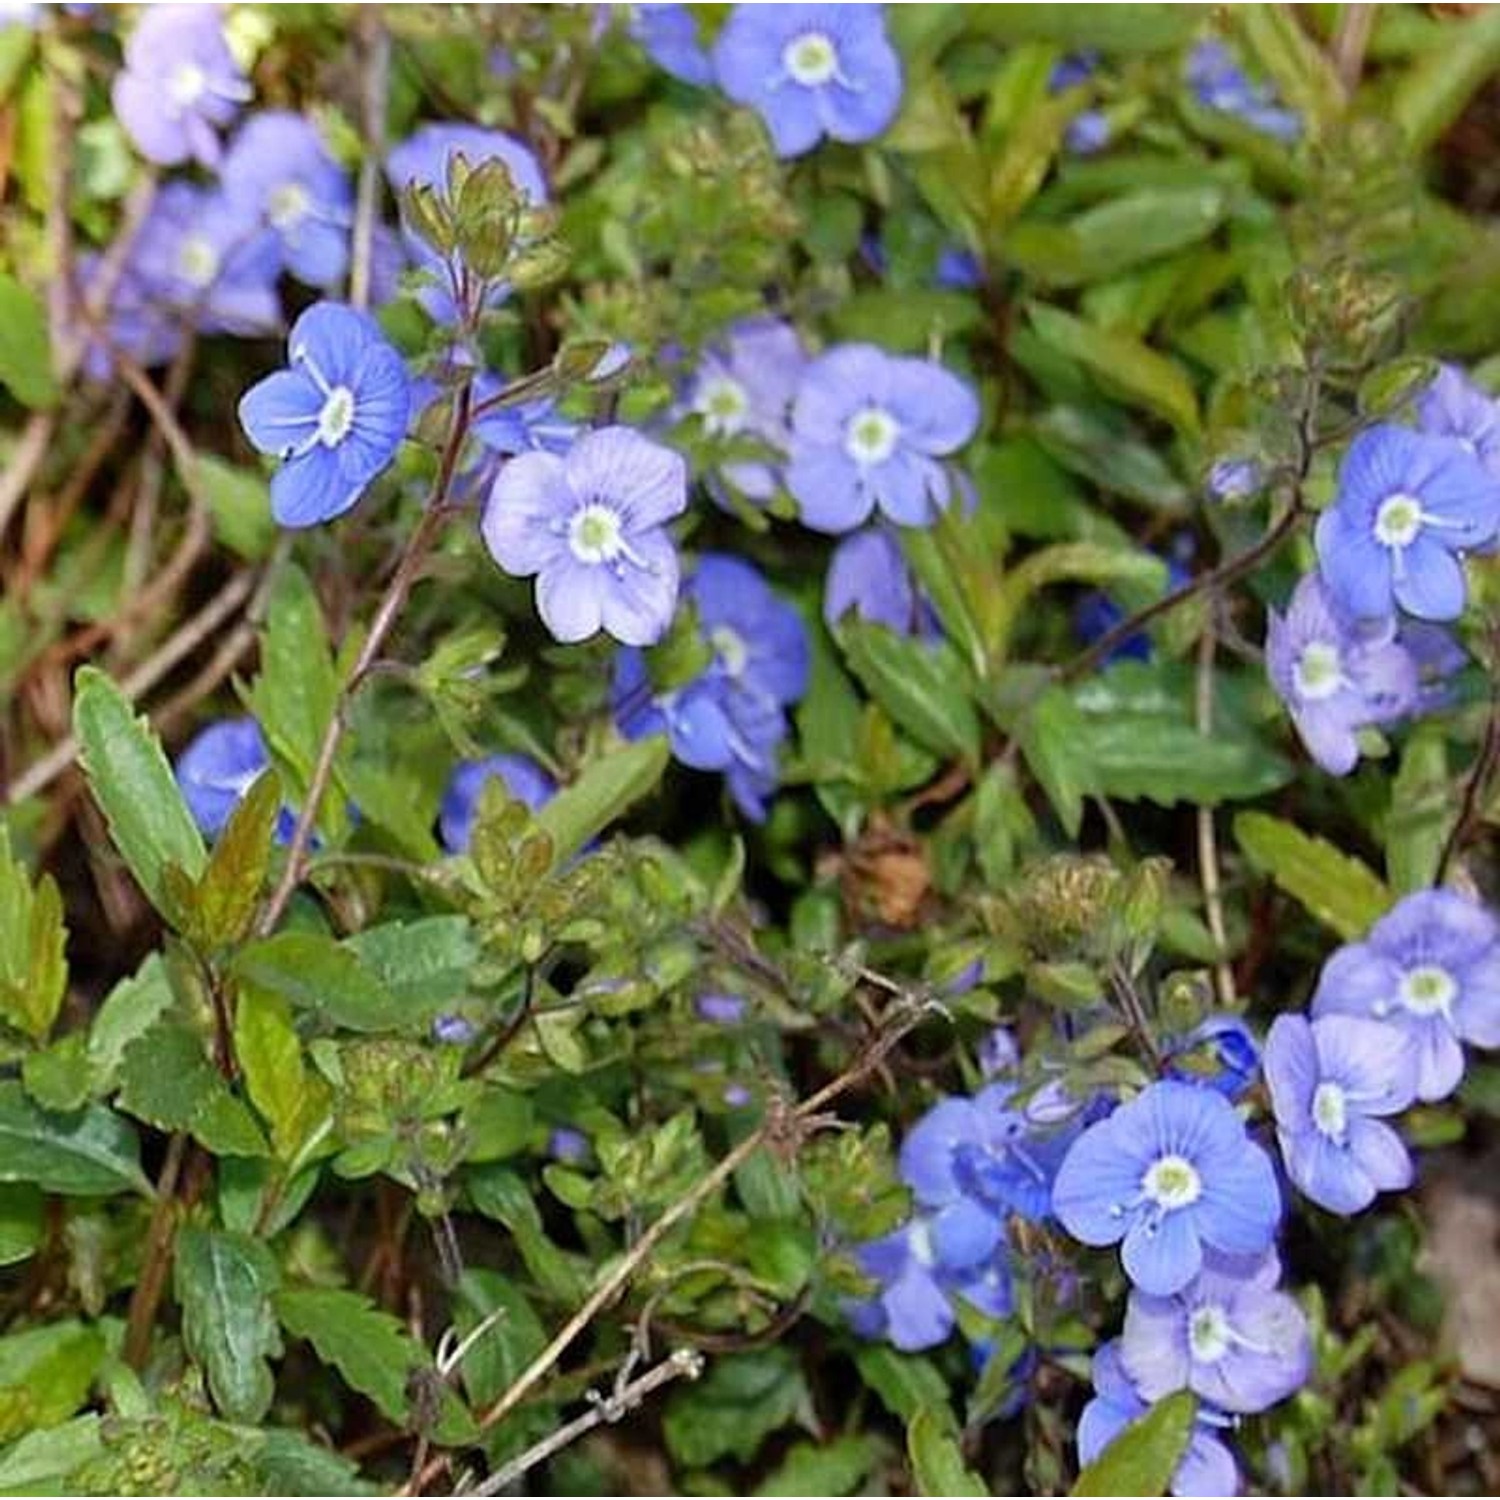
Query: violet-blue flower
x,y
1232,479
1170,1173
533,426
200,256
1429,969
1221,1053
1221,84
668,35
870,431
1334,677
1452,406
335,417
278,171
721,1010
1206,1468
217,767
1229,1336
524,780
743,391
868,576
1332,1080
592,527
1408,506
180,84
811,71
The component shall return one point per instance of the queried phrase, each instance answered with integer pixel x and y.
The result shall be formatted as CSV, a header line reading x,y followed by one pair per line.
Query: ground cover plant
x,y
749,749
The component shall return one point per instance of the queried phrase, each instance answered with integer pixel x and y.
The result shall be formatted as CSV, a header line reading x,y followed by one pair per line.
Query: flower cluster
x,y
1361,644
809,71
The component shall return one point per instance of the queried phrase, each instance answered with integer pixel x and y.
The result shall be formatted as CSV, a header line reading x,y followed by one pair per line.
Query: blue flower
x,y
278,172
526,427
958,269
1221,84
743,392
138,324
1452,406
335,417
1232,479
424,157
180,83
868,431
566,1144
1334,677
1072,70
1207,1468
810,71
668,35
215,770
1229,1336
721,1010
1407,506
1429,969
526,782
1219,1053
731,716
1088,133
868,575
198,255
592,527
1331,1081
1169,1173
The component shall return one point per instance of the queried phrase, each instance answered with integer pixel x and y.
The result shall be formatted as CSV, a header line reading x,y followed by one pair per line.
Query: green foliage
x,y
25,352
1142,1459
1336,888
33,968
937,1464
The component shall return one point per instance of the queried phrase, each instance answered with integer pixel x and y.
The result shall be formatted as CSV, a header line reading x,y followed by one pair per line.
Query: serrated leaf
x,y
91,1152
314,973
129,1011
371,1351
1049,737
134,786
905,1383
1122,365
167,1080
224,1284
836,1467
606,791
1142,1459
734,1408
936,1461
33,966
919,684
1151,758
61,1076
1339,890
224,902
269,1053
291,1463
25,348
424,964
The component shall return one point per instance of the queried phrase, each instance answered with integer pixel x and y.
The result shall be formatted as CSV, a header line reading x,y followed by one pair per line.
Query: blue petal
x,y
310,489
1162,1256
280,412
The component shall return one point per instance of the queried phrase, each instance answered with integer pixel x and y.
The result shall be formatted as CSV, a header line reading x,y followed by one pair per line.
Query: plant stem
x,y
386,614
146,1297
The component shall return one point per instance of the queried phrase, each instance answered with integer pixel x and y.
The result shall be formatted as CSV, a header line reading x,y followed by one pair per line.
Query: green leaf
x,y
1049,736
905,1383
33,968
167,1080
240,503
372,1352
1143,1458
1147,757
224,1284
937,1463
61,1076
1299,67
133,784
25,348
224,903
514,1337
742,1400
919,684
293,698
91,1152
837,1467
1122,365
269,1053
1443,80
290,1463
316,974
1339,890
606,791
425,964
497,1125
1421,812
46,1374
1111,28
21,1209
40,1462
129,1011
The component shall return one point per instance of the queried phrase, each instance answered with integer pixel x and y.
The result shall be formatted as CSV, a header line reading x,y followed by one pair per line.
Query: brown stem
x,y
1471,809
386,614
146,1297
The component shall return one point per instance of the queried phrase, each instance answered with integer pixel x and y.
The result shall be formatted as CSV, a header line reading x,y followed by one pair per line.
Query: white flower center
x,y
920,1241
811,59
723,405
871,437
288,206
1209,1336
1172,1182
731,649
186,85
1330,1110
1319,671
337,416
1398,520
198,261
1428,991
594,534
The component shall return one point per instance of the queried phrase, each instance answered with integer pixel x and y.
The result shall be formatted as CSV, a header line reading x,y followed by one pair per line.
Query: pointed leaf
x,y
91,1152
1342,892
1143,1458
936,1460
33,969
606,791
